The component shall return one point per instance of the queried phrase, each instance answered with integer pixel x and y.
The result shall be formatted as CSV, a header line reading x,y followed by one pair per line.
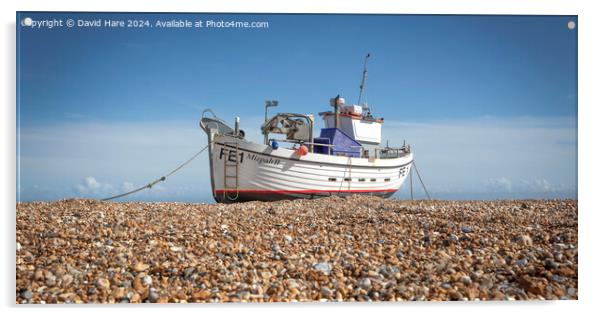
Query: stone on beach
x,y
139,267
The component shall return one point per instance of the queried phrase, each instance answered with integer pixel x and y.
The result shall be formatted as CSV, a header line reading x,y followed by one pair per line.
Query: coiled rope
x,y
163,178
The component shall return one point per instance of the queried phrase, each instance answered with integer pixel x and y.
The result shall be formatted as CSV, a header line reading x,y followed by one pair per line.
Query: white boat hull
x,y
267,174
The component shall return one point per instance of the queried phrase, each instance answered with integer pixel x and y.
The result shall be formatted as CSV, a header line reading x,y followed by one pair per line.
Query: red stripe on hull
x,y
303,191
277,195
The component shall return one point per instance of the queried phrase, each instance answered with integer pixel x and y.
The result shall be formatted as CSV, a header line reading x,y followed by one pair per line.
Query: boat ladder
x,y
231,173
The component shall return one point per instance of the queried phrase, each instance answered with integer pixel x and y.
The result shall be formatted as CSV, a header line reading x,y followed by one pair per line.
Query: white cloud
x,y
91,183
540,185
90,187
499,185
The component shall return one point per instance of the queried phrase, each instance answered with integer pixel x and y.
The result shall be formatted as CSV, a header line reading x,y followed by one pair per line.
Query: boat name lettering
x,y
263,160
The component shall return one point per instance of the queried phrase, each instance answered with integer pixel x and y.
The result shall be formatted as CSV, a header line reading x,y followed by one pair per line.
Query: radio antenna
x,y
364,77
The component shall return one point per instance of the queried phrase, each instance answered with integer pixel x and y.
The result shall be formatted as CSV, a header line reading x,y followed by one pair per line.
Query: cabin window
x,y
373,180
332,179
347,179
387,179
361,180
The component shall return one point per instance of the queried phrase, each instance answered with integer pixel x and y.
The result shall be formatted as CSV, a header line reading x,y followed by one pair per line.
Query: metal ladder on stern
x,y
231,173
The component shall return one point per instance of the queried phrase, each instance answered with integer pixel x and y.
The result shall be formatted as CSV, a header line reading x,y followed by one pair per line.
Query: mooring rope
x,y
420,178
411,186
163,178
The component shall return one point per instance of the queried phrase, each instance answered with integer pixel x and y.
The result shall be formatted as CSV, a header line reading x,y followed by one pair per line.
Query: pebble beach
x,y
357,248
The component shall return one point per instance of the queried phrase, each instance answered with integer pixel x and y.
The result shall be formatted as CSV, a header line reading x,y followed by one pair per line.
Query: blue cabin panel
x,y
344,145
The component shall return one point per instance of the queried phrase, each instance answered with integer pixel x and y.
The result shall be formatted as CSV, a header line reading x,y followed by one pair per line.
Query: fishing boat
x,y
345,158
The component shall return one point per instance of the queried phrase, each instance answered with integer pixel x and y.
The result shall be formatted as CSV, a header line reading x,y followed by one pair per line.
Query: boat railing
x,y
379,152
391,152
301,142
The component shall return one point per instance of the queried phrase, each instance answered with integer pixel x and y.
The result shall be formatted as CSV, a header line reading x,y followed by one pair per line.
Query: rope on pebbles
x,y
163,178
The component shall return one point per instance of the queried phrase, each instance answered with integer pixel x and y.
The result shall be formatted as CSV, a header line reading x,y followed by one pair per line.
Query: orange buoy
x,y
303,150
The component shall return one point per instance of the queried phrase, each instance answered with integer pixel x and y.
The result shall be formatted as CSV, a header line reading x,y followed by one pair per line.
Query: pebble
x,y
139,267
26,294
550,264
571,291
188,272
66,280
358,248
522,262
365,283
399,254
532,284
465,279
524,240
454,295
323,267
147,280
153,297
50,279
103,283
118,293
326,292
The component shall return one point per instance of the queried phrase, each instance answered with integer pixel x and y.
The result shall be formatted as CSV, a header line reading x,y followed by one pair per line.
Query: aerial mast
x,y
364,77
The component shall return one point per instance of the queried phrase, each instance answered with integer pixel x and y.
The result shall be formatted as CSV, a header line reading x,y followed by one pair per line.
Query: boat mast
x,y
336,111
364,77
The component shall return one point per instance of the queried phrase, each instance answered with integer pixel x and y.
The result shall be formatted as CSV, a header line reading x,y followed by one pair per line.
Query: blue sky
x,y
489,103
